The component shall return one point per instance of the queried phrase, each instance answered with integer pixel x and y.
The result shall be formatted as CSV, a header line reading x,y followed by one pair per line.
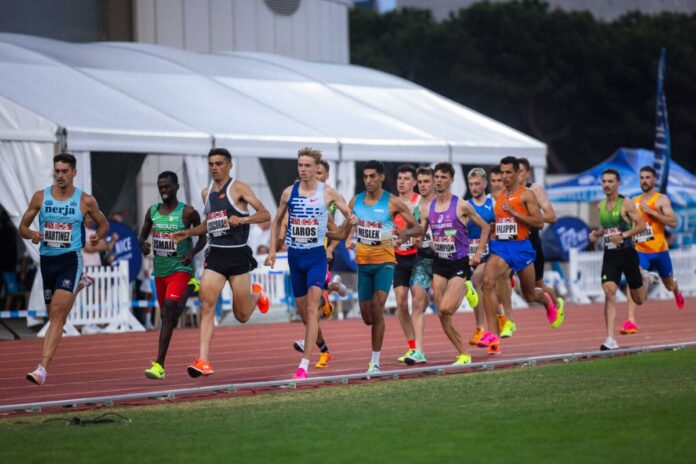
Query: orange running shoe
x,y
324,359
200,367
263,303
478,334
494,346
326,307
501,322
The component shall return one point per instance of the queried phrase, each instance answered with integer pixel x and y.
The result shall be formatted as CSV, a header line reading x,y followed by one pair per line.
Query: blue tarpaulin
x,y
587,186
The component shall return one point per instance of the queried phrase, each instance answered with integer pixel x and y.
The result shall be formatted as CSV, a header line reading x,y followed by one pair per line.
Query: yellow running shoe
x,y
156,371
478,334
471,295
462,360
402,359
324,359
195,283
561,313
508,329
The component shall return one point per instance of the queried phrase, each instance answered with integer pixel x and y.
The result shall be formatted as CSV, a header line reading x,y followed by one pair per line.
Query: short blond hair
x,y
311,152
477,172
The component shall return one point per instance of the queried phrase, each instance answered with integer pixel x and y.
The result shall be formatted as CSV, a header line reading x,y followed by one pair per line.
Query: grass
x,y
630,409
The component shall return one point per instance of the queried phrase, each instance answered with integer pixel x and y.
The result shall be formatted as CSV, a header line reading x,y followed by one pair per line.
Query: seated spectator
x,y
259,235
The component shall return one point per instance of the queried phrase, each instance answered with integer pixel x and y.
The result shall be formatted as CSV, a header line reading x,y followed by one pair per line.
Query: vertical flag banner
x,y
662,139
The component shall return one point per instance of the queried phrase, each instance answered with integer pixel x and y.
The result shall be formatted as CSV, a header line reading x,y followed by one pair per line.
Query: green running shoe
x,y
561,313
196,284
508,330
406,355
156,371
462,360
417,357
471,295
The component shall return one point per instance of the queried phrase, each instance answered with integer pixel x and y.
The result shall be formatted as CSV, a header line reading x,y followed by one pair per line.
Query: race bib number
x,y
162,244
608,244
57,235
407,245
444,247
505,228
369,233
304,230
427,238
646,235
217,223
473,248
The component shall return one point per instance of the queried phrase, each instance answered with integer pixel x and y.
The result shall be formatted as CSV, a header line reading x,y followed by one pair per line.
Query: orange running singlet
x,y
506,226
652,239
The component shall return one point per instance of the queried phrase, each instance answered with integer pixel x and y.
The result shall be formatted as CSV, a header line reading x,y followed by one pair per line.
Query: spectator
x,y
92,254
259,235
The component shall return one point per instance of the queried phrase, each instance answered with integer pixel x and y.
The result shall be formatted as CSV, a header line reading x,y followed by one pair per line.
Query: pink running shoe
x,y
485,341
494,347
554,316
679,299
628,328
300,374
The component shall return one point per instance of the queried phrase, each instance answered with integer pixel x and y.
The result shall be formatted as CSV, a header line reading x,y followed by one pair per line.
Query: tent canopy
x,y
129,97
587,186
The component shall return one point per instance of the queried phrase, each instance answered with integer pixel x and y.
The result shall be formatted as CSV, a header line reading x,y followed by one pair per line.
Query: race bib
x,y
369,233
407,245
645,236
473,248
217,223
427,238
57,235
505,228
304,230
162,244
444,247
608,244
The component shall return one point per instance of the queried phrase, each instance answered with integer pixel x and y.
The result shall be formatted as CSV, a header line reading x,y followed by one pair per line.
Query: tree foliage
x,y
583,86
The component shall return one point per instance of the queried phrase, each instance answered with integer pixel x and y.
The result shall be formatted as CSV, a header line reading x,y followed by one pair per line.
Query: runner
x,y
375,209
174,281
483,205
516,210
307,204
620,222
405,254
422,277
229,258
62,209
651,245
447,217
550,217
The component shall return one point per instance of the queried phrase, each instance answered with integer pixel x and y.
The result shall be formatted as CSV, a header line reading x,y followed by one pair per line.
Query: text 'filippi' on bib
x,y
505,228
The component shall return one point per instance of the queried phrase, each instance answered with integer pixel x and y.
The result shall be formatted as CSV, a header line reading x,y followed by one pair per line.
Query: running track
x,y
102,365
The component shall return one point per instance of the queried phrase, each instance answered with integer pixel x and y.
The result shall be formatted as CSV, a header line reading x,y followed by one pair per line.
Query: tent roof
x,y
148,98
587,186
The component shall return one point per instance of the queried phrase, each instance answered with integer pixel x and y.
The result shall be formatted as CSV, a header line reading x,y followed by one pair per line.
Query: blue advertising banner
x,y
568,232
126,248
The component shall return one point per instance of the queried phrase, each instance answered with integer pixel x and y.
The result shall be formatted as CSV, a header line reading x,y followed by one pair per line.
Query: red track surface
x,y
102,365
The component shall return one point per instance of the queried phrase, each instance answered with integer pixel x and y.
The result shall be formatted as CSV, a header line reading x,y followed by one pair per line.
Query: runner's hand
x,y
476,259
594,235
270,260
506,207
235,221
353,219
616,238
187,258
329,254
36,237
179,236
145,247
350,244
93,239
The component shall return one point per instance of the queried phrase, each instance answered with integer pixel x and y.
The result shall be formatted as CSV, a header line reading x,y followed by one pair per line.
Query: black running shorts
x,y
230,261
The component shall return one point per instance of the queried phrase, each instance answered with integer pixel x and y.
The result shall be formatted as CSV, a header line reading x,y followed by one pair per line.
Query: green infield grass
x,y
630,409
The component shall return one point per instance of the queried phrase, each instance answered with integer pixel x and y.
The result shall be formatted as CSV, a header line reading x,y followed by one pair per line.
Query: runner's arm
x,y
28,217
397,206
664,214
275,226
468,212
193,219
349,238
534,219
547,210
261,214
628,209
145,233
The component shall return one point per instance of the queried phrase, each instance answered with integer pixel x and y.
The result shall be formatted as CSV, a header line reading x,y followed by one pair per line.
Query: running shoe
x,y
326,306
156,371
407,354
196,284
86,280
38,375
299,345
609,344
485,340
494,346
679,300
508,329
324,359
417,357
462,360
554,316
501,322
342,289
263,303
628,328
200,367
652,277
471,296
478,335
372,369
300,374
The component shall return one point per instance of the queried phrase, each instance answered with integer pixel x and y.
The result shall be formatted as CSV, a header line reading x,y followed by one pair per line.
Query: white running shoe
x,y
653,277
372,369
86,280
609,344
342,289
299,345
38,375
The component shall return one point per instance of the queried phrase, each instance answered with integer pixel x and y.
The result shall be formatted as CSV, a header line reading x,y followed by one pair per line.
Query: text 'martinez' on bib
x,y
57,235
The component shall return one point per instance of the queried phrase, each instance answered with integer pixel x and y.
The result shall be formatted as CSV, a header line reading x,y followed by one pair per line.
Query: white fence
x,y
106,302
585,275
